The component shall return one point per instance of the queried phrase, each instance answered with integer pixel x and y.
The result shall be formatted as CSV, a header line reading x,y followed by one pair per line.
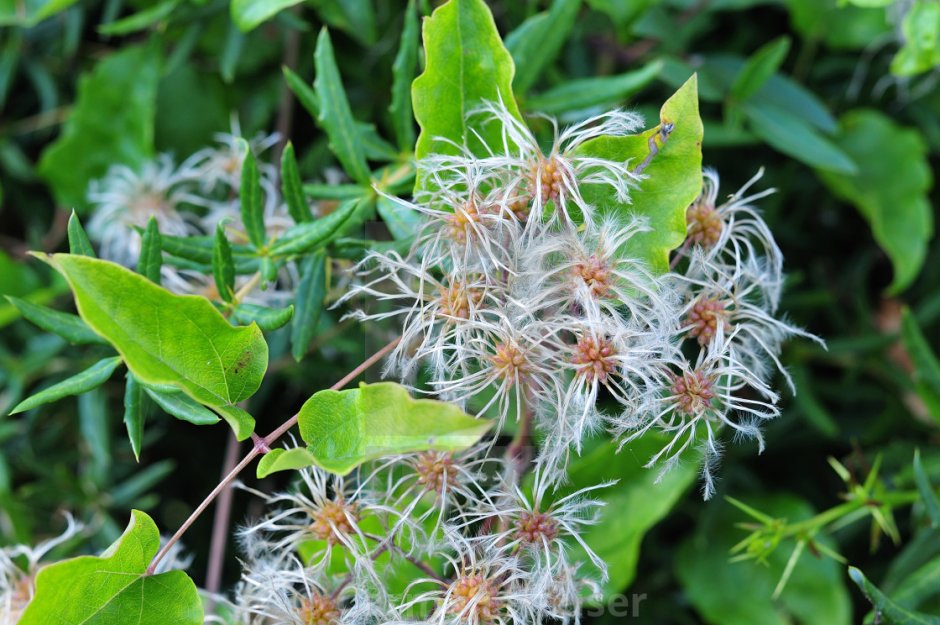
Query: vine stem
x,y
261,445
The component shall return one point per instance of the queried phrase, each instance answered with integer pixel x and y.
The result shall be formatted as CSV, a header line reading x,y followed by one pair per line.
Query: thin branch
x,y
220,525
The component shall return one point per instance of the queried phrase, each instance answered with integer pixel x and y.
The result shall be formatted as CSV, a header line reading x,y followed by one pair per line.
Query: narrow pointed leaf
x,y
268,319
308,237
68,326
170,340
114,588
309,302
89,379
887,609
151,252
78,239
759,68
248,14
292,187
252,207
928,495
573,95
135,413
335,115
403,72
223,268
538,40
182,407
343,429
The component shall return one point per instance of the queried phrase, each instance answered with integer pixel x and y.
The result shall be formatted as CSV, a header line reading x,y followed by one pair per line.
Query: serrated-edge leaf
x,y
335,115
223,267
538,40
151,252
78,239
134,413
68,326
895,613
87,380
252,207
309,301
292,187
181,406
403,74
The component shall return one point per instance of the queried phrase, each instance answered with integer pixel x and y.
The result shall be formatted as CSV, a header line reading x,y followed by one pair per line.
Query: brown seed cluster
x,y
596,274
510,362
475,599
319,610
457,300
435,469
704,223
595,357
463,222
693,392
705,317
333,520
546,179
534,527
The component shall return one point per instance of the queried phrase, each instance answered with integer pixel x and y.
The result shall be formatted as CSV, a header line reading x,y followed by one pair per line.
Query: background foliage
x,y
837,100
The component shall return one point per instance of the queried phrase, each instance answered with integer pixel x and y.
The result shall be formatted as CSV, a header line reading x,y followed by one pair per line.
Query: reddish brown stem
x,y
220,524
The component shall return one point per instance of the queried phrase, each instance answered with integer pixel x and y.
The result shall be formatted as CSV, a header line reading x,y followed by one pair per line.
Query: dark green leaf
x,y
115,588
355,17
308,237
343,429
78,239
68,326
795,137
335,191
928,495
252,206
403,72
573,95
314,283
248,14
466,65
292,187
759,68
89,379
223,268
538,40
140,20
151,252
893,199
135,413
335,115
887,609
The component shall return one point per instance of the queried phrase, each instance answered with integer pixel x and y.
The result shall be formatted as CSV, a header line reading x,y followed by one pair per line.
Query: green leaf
x,y
617,536
135,413
890,188
151,252
920,585
248,14
885,608
538,40
926,364
401,221
674,176
68,326
314,283
466,65
223,268
927,494
335,191
343,429
403,74
140,20
112,122
292,187
355,17
182,407
166,339
114,588
308,237
268,319
90,378
78,239
793,136
335,115
28,14
921,36
815,593
252,206
573,95
759,68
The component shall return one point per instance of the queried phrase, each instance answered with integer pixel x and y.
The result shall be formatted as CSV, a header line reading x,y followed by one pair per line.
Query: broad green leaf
x,y
248,14
292,187
135,413
839,26
892,198
223,267
151,252
921,30
759,68
538,40
343,429
403,72
632,506
78,239
335,115
887,609
815,593
314,283
112,122
674,176
68,326
793,136
252,205
90,378
268,319
114,588
573,95
308,237
466,65
141,20
182,407
928,495
166,339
